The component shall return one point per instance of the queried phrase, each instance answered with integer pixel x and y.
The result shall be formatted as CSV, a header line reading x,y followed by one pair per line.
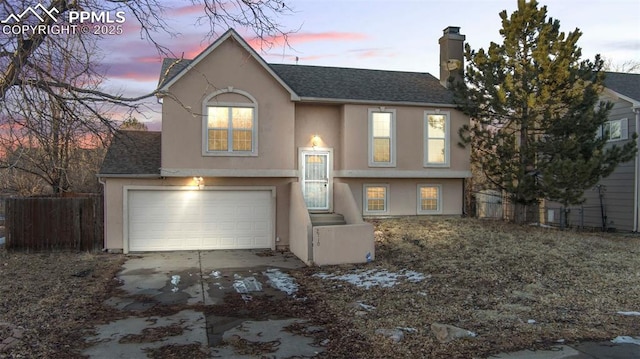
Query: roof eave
x,y
230,33
374,102
634,103
128,175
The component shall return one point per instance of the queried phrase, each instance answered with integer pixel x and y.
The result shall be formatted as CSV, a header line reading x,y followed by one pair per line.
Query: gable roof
x,y
179,69
625,85
337,83
330,84
170,68
133,153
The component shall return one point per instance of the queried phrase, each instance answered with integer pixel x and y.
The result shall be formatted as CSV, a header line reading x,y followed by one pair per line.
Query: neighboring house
x,y
249,149
619,209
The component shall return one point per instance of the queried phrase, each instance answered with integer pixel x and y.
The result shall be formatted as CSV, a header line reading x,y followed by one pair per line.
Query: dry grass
x,y
55,298
487,277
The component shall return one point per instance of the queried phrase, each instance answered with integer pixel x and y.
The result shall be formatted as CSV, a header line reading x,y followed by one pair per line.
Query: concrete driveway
x,y
171,301
176,304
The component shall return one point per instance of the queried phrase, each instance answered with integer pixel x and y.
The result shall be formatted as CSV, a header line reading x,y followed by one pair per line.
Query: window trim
x,y
419,198
365,199
447,139
210,101
624,129
392,138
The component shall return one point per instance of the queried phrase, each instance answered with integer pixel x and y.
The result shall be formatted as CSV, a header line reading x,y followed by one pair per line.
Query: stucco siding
x,y
409,140
322,121
403,194
229,68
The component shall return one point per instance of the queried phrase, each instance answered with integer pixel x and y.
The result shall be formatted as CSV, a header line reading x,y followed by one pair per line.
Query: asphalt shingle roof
x,y
624,83
170,68
361,84
133,153
337,83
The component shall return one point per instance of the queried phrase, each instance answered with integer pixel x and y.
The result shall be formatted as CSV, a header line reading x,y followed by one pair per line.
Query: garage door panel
x,y
246,241
244,226
189,220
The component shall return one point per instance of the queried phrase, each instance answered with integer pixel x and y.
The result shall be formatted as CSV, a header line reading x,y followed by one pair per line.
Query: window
x,y
230,123
230,129
616,130
382,128
436,139
375,198
429,199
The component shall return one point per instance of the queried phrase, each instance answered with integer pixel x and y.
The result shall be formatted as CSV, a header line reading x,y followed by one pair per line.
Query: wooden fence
x,y
53,223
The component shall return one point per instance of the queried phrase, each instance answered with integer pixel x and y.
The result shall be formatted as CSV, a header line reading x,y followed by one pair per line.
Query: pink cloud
x,y
148,59
299,38
133,70
368,54
144,77
130,27
301,59
187,10
371,53
194,51
195,9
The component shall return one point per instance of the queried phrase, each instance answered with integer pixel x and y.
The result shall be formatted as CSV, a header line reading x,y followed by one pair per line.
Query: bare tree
x,y
16,182
17,51
50,98
132,124
627,66
45,135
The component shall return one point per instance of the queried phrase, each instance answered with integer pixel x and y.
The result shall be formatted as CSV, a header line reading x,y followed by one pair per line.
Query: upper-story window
x,y
382,142
230,128
436,139
616,130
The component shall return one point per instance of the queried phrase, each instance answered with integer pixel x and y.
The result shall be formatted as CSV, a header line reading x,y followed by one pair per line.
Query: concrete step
x,y
327,219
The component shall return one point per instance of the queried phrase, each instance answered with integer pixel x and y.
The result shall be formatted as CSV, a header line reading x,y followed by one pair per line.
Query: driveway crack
x,y
201,277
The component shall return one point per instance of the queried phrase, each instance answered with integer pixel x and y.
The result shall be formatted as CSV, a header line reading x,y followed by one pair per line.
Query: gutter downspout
x,y
636,197
464,197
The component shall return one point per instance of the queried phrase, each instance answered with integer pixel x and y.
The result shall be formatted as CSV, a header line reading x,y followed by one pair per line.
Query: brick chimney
x,y
451,55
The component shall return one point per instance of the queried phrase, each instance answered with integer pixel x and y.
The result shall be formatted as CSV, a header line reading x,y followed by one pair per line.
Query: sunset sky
x,y
376,34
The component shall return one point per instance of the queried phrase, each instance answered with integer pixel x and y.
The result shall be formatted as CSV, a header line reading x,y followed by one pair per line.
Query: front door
x,y
316,186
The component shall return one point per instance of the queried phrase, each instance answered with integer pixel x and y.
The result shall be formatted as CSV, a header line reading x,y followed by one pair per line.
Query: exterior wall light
x,y
315,141
199,182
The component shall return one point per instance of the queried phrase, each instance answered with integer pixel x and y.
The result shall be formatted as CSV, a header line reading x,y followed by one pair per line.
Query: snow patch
x,y
626,340
366,307
175,279
247,285
375,277
630,313
281,281
541,225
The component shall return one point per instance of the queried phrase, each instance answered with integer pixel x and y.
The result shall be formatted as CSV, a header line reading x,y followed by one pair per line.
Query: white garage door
x,y
167,220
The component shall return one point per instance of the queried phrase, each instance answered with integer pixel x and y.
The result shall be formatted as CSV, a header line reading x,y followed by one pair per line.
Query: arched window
x,y
230,124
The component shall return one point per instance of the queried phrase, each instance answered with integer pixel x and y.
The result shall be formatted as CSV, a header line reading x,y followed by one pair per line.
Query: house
x,y
614,203
259,155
